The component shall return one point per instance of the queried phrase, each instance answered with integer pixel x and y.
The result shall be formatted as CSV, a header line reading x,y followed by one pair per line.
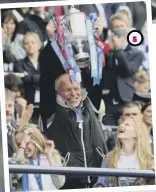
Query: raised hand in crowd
x,y
22,102
4,36
26,115
99,26
49,149
50,29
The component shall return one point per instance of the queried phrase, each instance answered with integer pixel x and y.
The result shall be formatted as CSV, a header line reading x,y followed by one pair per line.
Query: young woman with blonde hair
x,y
132,151
33,149
29,67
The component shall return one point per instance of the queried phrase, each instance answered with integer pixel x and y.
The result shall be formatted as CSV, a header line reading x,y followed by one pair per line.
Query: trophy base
x,y
82,59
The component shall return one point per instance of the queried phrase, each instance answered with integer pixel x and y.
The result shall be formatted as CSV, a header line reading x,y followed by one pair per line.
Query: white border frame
x,y
2,95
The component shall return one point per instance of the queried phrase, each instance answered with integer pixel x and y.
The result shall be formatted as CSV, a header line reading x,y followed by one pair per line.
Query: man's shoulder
x,y
134,50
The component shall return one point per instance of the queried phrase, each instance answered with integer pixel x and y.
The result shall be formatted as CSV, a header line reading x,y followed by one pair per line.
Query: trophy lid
x,y
73,10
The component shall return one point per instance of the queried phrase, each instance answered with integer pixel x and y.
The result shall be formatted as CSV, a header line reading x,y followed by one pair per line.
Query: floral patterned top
x,y
110,181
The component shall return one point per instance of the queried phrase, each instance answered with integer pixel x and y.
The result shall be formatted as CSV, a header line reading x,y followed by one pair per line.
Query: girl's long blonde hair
x,y
141,76
143,148
39,140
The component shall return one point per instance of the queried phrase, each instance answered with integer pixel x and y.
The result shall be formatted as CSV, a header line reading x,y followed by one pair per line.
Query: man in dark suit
x,y
121,64
11,126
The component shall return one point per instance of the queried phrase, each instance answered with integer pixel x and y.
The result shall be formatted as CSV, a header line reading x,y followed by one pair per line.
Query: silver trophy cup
x,y
76,35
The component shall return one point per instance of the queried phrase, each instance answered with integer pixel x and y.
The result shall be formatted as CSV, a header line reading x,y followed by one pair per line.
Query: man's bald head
x,y
61,79
69,91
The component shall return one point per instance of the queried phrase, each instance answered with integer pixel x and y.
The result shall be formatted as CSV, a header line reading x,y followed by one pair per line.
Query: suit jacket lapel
x,y
29,65
10,141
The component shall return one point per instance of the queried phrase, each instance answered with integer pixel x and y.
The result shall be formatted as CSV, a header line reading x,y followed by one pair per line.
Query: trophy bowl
x,y
76,34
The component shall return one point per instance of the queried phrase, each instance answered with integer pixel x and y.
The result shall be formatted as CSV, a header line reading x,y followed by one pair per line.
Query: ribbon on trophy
x,y
101,49
64,53
97,56
62,45
93,52
57,48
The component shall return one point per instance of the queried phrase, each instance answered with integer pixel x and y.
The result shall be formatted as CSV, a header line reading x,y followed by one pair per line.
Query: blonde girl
x,y
141,81
32,148
132,151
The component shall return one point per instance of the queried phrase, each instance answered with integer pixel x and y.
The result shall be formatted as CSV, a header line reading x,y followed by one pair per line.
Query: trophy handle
x,y
72,6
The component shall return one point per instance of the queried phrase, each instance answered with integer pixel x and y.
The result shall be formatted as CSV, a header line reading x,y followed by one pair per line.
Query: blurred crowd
x,y
53,121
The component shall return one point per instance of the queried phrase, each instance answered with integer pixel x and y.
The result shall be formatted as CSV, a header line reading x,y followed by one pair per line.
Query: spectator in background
x,y
141,81
127,12
41,18
142,86
147,116
11,122
22,17
132,151
76,121
121,64
31,68
12,41
33,21
131,109
139,14
40,12
34,149
147,119
144,46
11,125
15,85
